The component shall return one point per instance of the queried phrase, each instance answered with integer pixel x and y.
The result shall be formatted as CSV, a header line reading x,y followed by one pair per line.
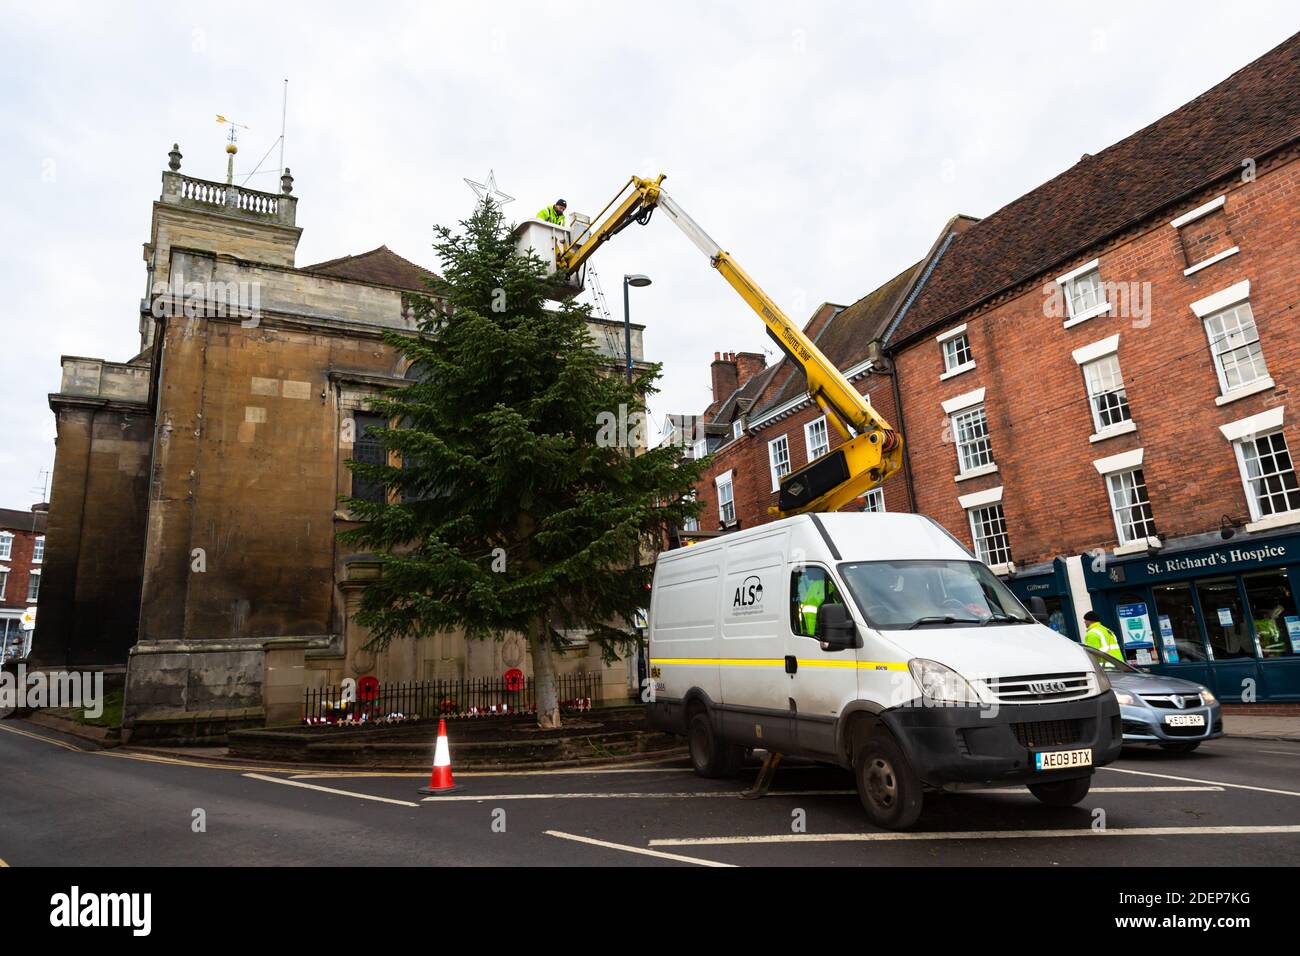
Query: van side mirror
x,y
835,627
1038,610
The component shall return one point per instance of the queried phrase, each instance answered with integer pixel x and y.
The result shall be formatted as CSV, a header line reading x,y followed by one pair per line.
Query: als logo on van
x,y
749,596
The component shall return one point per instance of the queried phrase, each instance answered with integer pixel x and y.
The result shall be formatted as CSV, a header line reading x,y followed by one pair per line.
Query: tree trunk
x,y
548,698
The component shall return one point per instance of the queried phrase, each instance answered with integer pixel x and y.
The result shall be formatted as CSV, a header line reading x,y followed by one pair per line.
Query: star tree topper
x,y
488,190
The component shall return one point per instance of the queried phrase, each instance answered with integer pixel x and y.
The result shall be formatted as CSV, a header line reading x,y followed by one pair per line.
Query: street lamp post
x,y
640,281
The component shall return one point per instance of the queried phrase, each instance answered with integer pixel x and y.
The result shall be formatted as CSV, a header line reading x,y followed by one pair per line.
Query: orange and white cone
x,y
440,781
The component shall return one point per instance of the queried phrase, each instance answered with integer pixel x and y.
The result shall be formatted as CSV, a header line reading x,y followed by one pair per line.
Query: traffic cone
x,y
440,781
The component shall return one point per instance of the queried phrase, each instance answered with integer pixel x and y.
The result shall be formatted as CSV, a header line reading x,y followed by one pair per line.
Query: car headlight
x,y
1126,699
1208,697
941,683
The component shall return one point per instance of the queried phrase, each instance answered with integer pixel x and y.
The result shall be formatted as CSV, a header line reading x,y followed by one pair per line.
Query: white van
x,y
879,643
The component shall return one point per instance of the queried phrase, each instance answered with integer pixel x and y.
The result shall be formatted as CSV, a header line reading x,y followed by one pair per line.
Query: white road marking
x,y
341,793
684,795
1284,753
1023,790
3,864
341,774
973,835
635,849
1215,783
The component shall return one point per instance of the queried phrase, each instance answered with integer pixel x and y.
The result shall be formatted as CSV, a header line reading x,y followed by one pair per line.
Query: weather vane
x,y
231,148
488,190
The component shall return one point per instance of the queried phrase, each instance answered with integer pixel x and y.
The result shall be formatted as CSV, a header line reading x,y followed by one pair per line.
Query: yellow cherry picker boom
x,y
871,451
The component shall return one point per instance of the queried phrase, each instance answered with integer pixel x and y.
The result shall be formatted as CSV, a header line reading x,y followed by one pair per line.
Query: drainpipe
x,y
881,362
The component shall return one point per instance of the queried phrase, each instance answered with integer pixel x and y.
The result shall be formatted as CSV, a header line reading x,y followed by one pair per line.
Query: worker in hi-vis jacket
x,y
554,213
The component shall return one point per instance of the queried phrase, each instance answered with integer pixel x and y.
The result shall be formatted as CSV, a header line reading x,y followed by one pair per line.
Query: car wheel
x,y
1182,747
890,790
1062,793
710,756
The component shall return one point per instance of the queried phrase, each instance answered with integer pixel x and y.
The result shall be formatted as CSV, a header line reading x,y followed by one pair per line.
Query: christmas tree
x,y
514,501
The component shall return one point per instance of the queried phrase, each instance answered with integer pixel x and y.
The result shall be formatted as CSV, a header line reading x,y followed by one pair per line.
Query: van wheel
x,y
1062,793
711,756
1182,747
888,786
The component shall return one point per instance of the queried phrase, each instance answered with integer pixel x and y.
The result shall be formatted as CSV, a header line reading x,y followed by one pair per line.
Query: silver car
x,y
1176,714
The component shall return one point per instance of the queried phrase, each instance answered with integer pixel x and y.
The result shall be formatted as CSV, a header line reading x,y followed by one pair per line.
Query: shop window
x,y
1137,638
1225,619
1272,608
1176,625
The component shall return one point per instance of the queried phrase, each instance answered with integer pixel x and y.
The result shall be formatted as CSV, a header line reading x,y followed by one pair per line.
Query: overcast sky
x,y
823,144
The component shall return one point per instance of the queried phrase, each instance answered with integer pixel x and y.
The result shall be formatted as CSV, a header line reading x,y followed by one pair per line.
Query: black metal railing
x,y
423,700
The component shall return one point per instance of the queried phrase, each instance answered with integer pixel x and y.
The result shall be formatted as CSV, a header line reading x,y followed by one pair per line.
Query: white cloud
x,y
823,144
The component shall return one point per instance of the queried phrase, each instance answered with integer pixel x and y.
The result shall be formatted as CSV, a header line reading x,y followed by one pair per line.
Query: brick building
x,y
1094,388
761,425
22,558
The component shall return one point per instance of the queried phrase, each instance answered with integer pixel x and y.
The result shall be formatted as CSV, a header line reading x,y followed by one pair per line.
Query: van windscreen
x,y
899,595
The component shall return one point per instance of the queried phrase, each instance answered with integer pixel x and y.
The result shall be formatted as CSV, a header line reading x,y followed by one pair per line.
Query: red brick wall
x,y
1054,500
20,566
747,459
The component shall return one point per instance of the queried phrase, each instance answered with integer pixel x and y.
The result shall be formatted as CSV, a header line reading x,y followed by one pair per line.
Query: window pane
x,y
726,505
1106,392
1272,608
369,449
1271,478
809,590
874,500
1174,601
1085,293
1131,506
1234,340
971,431
779,454
818,439
1225,621
956,352
989,531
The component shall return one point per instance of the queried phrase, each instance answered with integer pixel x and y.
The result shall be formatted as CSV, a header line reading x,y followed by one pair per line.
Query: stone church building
x,y
194,511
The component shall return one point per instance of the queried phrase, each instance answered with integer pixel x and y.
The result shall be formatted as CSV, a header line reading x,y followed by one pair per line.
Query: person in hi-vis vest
x,y
554,213
1100,637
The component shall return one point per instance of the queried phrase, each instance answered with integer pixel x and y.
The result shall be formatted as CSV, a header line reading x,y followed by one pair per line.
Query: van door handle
x,y
791,663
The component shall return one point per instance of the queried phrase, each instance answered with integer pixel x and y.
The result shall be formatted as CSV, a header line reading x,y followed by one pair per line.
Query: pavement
x,y
1263,727
1234,801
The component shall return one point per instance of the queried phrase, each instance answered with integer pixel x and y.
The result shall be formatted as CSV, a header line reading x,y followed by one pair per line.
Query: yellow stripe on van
x,y
779,662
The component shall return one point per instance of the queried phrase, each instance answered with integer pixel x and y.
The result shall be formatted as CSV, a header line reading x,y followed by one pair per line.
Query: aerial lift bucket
x,y
545,240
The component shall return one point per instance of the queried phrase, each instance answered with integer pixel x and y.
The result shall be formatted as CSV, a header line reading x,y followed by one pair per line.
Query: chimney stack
x,y
749,364
726,379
